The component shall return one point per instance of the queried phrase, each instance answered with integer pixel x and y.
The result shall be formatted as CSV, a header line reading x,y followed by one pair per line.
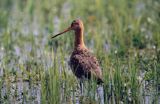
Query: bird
x,y
83,63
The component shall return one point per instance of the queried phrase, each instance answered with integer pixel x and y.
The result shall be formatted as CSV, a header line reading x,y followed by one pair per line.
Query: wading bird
x,y
82,62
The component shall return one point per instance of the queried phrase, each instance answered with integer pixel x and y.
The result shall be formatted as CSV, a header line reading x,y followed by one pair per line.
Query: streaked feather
x,y
84,64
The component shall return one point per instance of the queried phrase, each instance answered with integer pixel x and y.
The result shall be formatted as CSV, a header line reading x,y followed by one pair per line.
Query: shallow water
x,y
25,91
21,92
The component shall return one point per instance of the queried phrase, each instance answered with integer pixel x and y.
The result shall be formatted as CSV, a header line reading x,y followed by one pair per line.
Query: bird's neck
x,y
79,42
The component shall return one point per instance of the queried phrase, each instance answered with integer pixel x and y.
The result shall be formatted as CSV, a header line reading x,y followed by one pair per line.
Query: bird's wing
x,y
87,62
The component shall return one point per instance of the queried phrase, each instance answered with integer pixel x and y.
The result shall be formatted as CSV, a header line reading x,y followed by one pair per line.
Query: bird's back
x,y
84,64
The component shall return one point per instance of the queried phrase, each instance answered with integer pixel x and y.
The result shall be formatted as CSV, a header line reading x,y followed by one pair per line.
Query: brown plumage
x,y
84,64
82,61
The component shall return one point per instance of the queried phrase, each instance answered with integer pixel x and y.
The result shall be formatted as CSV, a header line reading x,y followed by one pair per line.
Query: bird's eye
x,y
75,23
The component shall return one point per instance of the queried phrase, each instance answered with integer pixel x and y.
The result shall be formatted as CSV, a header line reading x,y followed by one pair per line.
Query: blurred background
x,y
123,34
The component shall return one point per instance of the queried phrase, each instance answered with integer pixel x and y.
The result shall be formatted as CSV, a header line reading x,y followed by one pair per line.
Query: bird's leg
x,y
100,94
78,99
81,87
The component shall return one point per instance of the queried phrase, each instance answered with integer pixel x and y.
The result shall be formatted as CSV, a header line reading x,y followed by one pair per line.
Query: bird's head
x,y
76,25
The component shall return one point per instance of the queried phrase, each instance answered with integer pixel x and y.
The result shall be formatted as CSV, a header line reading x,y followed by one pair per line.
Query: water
x,y
21,92
25,91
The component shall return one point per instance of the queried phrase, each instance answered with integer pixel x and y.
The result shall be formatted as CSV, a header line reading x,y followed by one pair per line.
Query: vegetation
x,y
123,34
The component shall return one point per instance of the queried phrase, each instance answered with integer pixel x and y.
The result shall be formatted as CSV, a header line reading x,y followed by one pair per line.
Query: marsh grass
x,y
124,36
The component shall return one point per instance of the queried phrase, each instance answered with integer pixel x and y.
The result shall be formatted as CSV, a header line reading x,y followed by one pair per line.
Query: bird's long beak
x,y
68,29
